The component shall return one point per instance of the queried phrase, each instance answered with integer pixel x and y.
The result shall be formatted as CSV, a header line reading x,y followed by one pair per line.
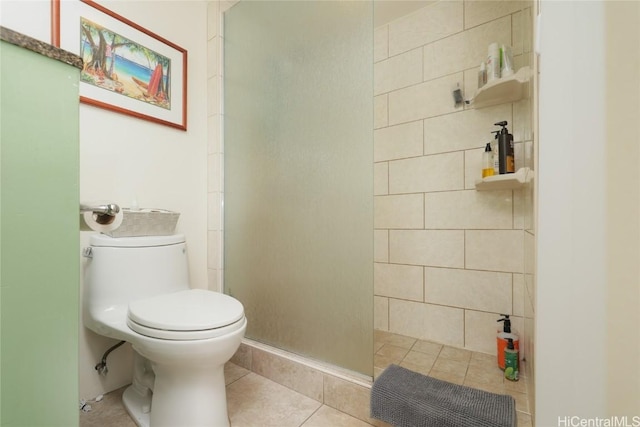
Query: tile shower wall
x,y
448,259
215,184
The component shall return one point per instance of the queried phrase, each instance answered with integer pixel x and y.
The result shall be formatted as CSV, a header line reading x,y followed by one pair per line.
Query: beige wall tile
x,y
522,122
529,253
428,24
471,84
213,280
381,313
214,137
213,19
426,321
347,397
518,209
477,12
381,43
480,331
444,324
478,290
214,95
522,30
529,305
214,204
398,142
212,57
213,249
495,250
463,130
213,172
381,111
440,172
291,374
472,167
400,211
464,50
381,178
528,214
228,4
424,100
398,281
407,318
243,356
434,248
397,72
381,245
530,292
518,295
468,209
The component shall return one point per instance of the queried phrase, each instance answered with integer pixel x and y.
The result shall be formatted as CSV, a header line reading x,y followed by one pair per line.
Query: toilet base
x,y
136,404
188,397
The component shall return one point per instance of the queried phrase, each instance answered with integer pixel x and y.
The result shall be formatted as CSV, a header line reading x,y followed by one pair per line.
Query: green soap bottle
x,y
511,361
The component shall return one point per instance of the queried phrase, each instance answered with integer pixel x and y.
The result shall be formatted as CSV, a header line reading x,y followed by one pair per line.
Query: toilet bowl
x,y
137,290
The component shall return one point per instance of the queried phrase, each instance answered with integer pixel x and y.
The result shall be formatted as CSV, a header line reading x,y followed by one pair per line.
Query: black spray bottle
x,y
505,149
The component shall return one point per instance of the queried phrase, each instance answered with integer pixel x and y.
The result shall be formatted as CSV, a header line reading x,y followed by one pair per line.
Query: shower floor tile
x,y
458,366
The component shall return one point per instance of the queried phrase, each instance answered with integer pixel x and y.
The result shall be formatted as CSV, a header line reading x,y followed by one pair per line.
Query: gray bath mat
x,y
405,398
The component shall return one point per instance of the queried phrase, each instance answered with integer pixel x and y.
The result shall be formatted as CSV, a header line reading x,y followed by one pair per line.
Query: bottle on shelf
x,y
505,149
487,161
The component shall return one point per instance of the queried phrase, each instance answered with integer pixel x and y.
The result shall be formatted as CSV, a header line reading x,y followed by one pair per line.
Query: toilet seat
x,y
193,314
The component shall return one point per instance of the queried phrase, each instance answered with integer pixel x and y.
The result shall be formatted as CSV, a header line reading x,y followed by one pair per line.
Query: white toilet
x,y
137,290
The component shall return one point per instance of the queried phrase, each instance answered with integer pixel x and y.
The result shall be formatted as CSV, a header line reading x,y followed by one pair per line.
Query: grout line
x,y
311,415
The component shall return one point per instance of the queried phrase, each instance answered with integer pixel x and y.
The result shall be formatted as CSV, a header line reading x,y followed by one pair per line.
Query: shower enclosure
x,y
298,186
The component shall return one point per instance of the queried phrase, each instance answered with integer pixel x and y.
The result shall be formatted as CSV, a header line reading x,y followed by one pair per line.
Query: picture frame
x,y
127,68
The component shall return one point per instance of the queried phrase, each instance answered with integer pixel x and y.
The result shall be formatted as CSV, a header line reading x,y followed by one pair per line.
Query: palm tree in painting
x,y
157,86
100,65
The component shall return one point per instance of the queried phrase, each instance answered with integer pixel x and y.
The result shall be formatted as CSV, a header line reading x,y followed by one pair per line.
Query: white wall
x,y
588,346
622,20
29,17
571,324
122,157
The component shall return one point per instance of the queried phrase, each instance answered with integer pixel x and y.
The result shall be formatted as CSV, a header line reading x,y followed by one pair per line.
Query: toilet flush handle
x,y
87,252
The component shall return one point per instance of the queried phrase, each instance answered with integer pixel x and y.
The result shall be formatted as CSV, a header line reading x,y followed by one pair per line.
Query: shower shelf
x,y
503,90
510,181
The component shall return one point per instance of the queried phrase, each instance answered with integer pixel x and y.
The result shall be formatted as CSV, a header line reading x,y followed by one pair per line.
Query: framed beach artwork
x,y
127,68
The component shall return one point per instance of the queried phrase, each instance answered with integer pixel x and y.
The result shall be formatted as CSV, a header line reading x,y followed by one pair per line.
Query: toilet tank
x,y
126,269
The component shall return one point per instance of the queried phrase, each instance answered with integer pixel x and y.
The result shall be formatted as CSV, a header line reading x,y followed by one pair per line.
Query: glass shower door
x,y
298,192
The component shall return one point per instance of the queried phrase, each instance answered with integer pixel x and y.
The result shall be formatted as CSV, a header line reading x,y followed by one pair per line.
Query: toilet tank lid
x,y
135,242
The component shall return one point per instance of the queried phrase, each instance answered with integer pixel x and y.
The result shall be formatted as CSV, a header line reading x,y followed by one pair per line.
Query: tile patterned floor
x,y
458,366
256,401
253,401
